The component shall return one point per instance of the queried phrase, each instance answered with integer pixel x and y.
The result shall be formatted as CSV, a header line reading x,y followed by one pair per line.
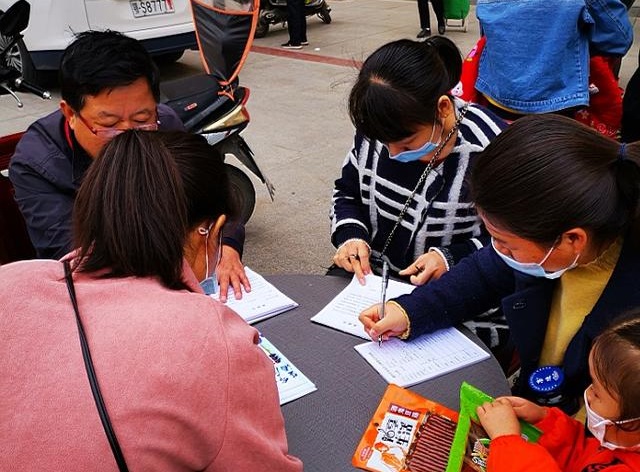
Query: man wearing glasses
x,y
108,84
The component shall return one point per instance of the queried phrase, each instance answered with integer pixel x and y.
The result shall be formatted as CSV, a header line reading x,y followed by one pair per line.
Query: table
x,y
324,427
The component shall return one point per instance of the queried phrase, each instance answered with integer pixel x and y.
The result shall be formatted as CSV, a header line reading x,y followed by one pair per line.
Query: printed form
x,y
342,312
431,355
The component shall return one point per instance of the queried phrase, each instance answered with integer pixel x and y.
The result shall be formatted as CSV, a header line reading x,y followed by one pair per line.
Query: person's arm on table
x,y
350,226
473,286
230,270
438,260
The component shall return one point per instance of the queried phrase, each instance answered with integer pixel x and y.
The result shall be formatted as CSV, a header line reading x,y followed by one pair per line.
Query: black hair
x,y
546,174
102,60
399,85
139,200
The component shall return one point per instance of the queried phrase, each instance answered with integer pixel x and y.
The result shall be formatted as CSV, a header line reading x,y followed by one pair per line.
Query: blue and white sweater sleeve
x,y
349,218
478,129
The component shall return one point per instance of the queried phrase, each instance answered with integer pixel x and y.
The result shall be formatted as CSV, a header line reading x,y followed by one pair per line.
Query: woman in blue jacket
x,y
561,204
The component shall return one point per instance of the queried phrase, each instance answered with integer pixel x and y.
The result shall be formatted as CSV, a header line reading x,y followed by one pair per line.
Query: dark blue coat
x,y
482,280
46,171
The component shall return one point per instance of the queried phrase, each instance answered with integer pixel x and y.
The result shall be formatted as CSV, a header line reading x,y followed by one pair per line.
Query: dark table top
x,y
324,427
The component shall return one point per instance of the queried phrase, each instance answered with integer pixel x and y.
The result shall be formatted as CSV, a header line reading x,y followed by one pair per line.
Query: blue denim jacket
x,y
536,59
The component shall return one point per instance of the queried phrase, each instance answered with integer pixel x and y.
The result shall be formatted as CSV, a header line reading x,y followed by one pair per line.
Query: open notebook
x,y
264,300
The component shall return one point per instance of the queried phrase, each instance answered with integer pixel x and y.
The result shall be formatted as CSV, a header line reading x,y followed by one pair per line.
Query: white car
x,y
165,27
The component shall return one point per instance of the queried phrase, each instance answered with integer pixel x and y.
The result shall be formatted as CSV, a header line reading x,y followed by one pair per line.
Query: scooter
x,y
275,11
220,118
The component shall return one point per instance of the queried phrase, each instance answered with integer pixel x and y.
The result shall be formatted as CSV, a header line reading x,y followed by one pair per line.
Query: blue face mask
x,y
417,154
210,283
534,269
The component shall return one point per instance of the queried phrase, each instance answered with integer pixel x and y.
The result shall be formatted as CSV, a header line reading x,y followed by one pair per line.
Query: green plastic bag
x,y
470,443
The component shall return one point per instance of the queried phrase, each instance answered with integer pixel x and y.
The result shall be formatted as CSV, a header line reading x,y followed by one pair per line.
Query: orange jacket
x,y
563,447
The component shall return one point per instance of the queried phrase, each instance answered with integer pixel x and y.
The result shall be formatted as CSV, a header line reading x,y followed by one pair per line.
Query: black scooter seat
x,y
195,99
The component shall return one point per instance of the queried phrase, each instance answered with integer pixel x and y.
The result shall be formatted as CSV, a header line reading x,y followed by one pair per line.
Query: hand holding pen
x,y
385,283
393,324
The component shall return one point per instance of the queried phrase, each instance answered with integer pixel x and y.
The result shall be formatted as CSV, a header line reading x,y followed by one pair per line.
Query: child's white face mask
x,y
598,427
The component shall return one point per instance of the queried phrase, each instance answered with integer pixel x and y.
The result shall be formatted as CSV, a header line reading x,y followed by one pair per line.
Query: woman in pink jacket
x,y
613,416
182,381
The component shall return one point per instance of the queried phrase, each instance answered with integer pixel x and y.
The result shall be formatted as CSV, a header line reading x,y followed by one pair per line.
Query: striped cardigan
x,y
372,190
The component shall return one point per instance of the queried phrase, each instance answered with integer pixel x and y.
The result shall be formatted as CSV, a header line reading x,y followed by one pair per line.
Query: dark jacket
x,y
47,169
479,281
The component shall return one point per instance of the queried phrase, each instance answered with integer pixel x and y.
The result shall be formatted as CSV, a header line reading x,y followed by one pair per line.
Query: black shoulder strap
x,y
95,388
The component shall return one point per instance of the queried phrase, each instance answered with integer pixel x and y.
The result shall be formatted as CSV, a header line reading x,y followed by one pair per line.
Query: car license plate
x,y
141,8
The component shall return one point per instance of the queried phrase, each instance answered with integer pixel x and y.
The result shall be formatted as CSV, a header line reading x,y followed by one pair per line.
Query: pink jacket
x,y
563,447
185,384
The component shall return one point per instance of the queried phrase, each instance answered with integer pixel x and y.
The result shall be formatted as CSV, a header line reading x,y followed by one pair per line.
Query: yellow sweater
x,y
577,292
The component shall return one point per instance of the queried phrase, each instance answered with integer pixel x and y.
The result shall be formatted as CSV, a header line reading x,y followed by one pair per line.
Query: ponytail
x,y
451,60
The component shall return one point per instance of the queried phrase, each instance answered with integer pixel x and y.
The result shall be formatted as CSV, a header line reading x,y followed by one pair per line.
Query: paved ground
x,y
300,131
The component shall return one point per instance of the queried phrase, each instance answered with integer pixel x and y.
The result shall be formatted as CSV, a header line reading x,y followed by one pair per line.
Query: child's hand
x,y
526,410
498,418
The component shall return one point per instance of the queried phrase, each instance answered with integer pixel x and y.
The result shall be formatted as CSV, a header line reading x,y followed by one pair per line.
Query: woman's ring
x,y
355,256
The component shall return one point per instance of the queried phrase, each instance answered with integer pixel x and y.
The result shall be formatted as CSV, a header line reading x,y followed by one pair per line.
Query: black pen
x,y
385,282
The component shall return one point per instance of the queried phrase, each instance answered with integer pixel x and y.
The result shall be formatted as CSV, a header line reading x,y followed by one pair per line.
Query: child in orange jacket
x,y
613,416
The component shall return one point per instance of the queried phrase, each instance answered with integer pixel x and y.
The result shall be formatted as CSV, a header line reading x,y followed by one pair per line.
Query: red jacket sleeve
x,y
563,446
565,438
514,454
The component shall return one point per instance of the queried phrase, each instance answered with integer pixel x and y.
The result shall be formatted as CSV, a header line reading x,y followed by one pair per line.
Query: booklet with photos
x,y
291,382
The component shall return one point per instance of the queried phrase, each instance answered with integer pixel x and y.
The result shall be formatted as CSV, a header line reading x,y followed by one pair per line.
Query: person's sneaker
x,y
424,33
288,45
441,29
304,43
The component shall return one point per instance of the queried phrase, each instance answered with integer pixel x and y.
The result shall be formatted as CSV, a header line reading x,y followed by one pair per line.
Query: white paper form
x,y
431,355
342,312
263,301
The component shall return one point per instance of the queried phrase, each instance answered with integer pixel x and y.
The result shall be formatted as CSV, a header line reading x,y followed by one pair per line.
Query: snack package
x,y
407,433
470,448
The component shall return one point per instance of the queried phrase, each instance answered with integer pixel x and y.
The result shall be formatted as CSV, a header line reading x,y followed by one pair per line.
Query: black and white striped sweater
x,y
373,189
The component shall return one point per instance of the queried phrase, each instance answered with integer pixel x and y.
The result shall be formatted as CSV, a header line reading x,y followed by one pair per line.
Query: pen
x,y
385,282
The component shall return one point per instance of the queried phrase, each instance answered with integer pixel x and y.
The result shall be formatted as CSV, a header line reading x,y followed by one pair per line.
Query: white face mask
x,y
598,427
535,268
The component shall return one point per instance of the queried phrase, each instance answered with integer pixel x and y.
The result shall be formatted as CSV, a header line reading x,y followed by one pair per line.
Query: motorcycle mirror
x,y
15,19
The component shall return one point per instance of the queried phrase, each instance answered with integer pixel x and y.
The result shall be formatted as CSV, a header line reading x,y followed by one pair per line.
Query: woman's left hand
x,y
230,272
429,266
